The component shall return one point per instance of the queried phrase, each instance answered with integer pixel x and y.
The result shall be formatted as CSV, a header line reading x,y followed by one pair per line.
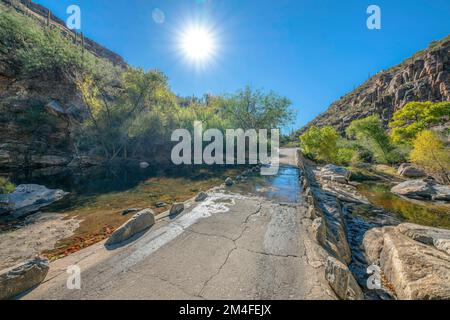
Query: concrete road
x,y
228,247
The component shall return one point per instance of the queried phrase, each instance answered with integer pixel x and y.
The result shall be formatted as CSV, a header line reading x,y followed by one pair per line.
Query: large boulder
x,y
23,277
422,190
334,173
141,221
407,170
414,259
29,198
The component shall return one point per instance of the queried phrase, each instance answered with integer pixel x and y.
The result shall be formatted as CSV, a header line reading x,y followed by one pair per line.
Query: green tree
x,y
254,109
369,132
415,117
430,152
320,144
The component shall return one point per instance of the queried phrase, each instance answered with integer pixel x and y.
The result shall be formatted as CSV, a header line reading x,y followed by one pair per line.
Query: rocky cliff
x,y
422,77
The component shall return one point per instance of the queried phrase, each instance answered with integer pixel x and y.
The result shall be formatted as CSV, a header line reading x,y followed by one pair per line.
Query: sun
x,y
198,44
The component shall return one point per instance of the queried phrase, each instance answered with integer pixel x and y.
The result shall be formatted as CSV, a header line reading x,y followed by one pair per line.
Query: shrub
x,y
6,186
320,144
430,152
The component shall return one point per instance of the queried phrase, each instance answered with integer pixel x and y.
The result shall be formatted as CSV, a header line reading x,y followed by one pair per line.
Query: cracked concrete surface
x,y
245,248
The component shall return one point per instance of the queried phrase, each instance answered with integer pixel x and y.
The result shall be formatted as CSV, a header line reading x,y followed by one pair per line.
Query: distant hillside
x,y
423,77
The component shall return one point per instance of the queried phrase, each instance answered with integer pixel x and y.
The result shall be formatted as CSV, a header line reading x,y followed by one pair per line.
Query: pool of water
x,y
419,212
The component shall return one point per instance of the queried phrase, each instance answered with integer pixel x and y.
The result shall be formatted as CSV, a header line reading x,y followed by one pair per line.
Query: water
x,y
386,209
418,212
282,188
99,196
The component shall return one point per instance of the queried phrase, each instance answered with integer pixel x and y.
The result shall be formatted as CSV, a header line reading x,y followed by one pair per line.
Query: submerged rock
x,y
131,210
414,259
202,196
22,277
144,165
29,198
138,223
229,182
161,204
422,190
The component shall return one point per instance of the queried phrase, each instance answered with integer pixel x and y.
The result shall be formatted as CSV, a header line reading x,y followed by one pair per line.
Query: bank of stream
x,y
386,209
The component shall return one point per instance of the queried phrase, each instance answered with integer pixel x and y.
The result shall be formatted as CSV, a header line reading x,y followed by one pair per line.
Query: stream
x,y
100,195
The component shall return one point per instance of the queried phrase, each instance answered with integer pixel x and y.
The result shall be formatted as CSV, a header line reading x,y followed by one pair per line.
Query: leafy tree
x,y
253,109
369,132
430,152
415,117
320,144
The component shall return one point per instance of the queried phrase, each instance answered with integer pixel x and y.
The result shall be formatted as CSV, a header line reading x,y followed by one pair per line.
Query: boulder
x,y
407,170
334,173
342,280
422,190
176,209
331,168
202,196
229,182
414,259
23,277
139,222
29,198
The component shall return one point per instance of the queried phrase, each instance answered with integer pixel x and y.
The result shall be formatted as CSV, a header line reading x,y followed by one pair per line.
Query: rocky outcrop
x,y
328,229
423,77
413,258
23,277
423,190
140,222
29,198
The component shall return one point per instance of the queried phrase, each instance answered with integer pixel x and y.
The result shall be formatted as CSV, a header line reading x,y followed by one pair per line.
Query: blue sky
x,y
312,51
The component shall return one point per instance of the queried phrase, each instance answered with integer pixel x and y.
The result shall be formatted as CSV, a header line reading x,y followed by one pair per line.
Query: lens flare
x,y
198,43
